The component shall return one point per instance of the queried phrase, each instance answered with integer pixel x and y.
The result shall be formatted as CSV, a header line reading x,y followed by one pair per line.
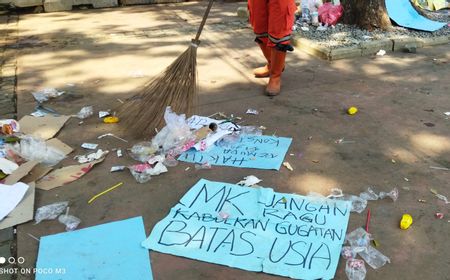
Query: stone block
x,y
57,5
96,3
27,3
311,48
435,40
372,47
401,44
345,52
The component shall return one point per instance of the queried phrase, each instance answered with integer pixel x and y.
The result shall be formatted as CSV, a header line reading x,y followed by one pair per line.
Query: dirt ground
x,y
399,132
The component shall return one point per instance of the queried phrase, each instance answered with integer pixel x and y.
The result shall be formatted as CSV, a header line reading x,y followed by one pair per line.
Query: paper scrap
x,y
45,127
288,166
252,111
20,172
7,166
117,168
89,146
119,153
91,157
65,175
249,181
102,114
10,196
23,211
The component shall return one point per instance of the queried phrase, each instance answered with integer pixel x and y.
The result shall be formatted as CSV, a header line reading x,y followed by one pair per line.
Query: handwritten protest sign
x,y
255,229
251,151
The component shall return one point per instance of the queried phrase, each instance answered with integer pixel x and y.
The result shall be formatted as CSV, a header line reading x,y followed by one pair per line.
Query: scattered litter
x,y
368,220
369,194
406,188
439,216
304,28
375,243
50,212
288,166
7,166
447,113
393,161
342,141
31,148
439,168
102,114
352,110
89,146
406,221
433,191
45,127
187,168
381,53
422,200
374,258
335,193
112,135
292,155
117,168
112,119
355,269
358,204
406,179
205,165
119,153
443,198
92,156
155,159
104,192
71,222
143,172
322,28
249,181
38,114
9,126
85,112
392,194
252,111
45,94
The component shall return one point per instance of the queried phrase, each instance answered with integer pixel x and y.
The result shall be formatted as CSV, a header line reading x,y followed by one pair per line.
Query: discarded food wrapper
x,y
46,94
406,221
9,126
85,112
89,146
112,119
355,269
102,114
392,194
117,168
439,215
71,222
92,156
252,112
369,194
373,257
249,181
288,166
51,211
381,52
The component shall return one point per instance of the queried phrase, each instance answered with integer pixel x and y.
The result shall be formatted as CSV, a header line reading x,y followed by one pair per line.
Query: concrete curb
x,y
368,48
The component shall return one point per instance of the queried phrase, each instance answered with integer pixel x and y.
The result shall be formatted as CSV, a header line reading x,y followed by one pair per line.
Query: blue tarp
x,y
404,14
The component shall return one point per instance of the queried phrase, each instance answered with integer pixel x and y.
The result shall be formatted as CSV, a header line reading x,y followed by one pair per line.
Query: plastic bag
x,y
358,204
228,140
355,269
392,194
330,14
373,257
174,134
251,130
70,221
349,252
358,238
141,177
36,149
205,165
46,94
51,211
335,193
9,126
369,194
143,151
85,112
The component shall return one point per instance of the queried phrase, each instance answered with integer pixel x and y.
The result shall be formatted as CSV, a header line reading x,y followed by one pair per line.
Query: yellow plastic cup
x,y
352,110
111,120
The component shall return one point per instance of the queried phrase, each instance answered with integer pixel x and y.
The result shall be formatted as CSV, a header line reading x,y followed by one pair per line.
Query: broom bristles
x,y
176,86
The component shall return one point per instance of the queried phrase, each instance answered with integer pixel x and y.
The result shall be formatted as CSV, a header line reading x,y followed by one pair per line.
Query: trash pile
x,y
318,14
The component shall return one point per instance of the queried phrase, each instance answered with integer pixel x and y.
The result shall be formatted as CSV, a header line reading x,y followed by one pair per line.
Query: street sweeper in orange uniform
x,y
272,22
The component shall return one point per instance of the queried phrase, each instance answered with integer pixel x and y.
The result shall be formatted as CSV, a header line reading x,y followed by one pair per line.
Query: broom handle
x,y
205,16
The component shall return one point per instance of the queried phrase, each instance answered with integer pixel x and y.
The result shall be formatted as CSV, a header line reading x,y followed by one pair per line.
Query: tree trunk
x,y
367,14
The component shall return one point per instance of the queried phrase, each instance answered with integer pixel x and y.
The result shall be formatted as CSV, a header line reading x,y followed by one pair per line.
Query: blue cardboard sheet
x,y
251,151
404,14
109,251
255,229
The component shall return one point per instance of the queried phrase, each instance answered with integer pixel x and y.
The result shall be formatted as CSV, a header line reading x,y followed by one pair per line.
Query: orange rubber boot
x,y
263,72
277,66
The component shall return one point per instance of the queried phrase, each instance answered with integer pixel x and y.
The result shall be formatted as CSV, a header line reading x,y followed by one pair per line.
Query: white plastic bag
x,y
31,148
51,211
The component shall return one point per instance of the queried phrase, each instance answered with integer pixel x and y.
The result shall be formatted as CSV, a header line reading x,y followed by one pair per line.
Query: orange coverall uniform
x,y
272,21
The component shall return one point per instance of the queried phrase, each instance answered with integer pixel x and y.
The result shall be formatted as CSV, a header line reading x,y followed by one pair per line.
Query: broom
x,y
176,86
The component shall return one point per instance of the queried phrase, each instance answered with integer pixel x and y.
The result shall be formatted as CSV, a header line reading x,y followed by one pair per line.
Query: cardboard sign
x,y
251,151
255,229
